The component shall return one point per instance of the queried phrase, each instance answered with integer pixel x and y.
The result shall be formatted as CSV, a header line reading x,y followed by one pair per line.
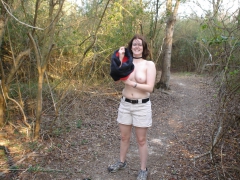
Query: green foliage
x,y
79,123
27,90
187,73
74,33
218,40
204,26
36,168
32,145
59,145
84,141
185,45
234,72
50,149
57,131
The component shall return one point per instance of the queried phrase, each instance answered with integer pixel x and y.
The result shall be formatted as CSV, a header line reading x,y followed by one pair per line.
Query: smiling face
x,y
137,48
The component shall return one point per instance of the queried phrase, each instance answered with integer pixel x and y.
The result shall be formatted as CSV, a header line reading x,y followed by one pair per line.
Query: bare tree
x,y
167,46
7,79
42,54
3,22
216,5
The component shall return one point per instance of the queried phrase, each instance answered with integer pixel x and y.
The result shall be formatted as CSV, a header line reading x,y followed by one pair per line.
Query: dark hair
x,y
146,51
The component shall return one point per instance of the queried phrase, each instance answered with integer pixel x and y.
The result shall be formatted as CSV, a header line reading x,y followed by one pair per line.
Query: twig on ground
x,y
222,161
39,170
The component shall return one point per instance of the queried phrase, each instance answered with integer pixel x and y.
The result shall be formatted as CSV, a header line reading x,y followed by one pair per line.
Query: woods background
x,y
52,49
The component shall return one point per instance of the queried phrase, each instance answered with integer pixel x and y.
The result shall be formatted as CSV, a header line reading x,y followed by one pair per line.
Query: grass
x,y
30,89
79,123
50,149
32,145
38,168
59,145
84,141
57,132
188,73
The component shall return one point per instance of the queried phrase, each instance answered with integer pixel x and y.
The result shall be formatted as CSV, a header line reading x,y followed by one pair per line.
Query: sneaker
x,y
117,166
142,175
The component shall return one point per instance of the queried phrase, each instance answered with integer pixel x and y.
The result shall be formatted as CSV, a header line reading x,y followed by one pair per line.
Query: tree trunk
x,y
238,16
2,107
167,46
43,56
216,6
3,21
37,127
166,61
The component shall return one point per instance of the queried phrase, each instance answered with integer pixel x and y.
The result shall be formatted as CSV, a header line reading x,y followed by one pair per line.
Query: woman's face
x,y
137,47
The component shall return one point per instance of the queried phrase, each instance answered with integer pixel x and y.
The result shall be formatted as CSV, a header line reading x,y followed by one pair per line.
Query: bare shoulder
x,y
150,63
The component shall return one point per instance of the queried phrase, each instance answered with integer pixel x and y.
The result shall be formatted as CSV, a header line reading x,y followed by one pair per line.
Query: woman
x,y
135,107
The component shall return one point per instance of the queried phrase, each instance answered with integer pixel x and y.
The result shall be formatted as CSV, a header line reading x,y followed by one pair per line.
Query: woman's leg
x,y
141,134
125,131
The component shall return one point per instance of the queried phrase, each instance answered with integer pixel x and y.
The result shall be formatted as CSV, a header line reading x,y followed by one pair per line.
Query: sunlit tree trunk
x,y
238,16
43,56
216,5
167,47
2,103
2,107
3,22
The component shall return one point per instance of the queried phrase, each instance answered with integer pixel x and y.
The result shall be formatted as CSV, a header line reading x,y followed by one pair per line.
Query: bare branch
x,y
9,12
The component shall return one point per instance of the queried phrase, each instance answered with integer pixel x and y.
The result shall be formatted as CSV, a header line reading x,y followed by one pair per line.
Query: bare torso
x,y
139,75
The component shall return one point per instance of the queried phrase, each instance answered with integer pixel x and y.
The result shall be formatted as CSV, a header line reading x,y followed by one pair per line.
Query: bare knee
x,y
125,138
142,141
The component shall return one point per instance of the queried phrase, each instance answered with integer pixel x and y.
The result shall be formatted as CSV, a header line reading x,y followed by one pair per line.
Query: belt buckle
x,y
134,101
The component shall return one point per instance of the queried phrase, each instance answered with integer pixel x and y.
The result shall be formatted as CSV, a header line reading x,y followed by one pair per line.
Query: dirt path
x,y
178,122
90,142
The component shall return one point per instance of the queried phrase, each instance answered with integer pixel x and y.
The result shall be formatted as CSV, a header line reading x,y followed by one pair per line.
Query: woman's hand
x,y
121,53
129,82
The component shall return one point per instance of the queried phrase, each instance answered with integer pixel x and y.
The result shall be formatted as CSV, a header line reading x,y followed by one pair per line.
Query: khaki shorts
x,y
139,115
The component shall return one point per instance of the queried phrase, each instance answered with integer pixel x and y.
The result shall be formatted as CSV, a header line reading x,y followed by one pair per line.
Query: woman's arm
x,y
121,54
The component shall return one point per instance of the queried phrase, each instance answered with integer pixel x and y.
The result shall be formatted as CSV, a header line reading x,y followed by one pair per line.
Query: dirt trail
x,y
178,122
181,130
